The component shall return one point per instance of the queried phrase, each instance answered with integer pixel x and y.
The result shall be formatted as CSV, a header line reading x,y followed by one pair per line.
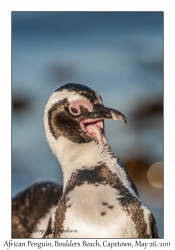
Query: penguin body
x,y
31,209
99,199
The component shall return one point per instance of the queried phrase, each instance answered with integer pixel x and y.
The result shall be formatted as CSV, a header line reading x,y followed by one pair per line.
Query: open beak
x,y
101,112
93,123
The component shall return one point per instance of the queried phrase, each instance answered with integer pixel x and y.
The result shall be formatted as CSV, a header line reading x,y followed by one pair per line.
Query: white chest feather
x,y
41,226
94,211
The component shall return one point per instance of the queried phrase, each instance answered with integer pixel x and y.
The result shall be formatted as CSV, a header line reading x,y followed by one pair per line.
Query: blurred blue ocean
x,y
120,55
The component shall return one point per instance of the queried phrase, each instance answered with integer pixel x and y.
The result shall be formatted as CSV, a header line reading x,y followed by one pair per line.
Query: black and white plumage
x,y
99,199
32,208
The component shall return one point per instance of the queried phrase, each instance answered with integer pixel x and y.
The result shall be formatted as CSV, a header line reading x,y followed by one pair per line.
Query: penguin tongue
x,y
94,131
93,128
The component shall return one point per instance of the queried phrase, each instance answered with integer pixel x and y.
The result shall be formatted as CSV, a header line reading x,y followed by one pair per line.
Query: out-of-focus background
x,y
120,55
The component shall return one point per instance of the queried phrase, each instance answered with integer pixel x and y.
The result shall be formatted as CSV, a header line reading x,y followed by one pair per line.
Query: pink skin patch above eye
x,y
78,103
85,103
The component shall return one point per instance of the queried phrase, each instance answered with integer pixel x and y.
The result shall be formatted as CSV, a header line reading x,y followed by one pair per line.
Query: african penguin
x,y
99,199
32,208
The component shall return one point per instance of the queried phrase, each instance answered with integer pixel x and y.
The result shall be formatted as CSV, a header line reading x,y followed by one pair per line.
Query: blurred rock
x,y
149,108
155,66
20,102
137,168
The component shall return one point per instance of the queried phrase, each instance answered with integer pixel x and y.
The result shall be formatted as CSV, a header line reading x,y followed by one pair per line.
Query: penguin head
x,y
77,113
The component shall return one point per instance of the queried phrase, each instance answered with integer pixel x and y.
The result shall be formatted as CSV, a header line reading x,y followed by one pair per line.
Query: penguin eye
x,y
74,111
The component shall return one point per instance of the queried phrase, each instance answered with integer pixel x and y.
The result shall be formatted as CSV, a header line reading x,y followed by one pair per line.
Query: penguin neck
x,y
73,156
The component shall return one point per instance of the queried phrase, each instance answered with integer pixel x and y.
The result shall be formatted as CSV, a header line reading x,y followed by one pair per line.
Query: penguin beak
x,y
101,112
93,123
